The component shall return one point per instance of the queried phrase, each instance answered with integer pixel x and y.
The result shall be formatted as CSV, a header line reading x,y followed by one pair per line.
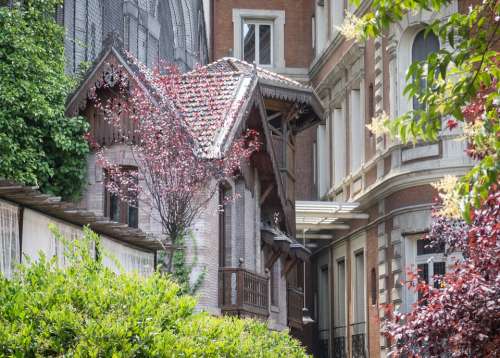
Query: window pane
x,y
249,42
422,47
340,317
133,216
424,248
265,44
440,270
114,208
423,272
359,309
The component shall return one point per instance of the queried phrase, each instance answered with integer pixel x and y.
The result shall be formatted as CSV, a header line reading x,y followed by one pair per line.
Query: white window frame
x,y
340,145
358,245
276,18
430,259
336,15
257,23
412,260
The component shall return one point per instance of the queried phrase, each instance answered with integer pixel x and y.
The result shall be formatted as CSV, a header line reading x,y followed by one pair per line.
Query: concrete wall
x,y
37,238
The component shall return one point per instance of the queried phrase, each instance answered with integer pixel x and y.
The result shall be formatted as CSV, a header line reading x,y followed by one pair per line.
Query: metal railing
x,y
358,340
295,303
324,342
243,292
339,342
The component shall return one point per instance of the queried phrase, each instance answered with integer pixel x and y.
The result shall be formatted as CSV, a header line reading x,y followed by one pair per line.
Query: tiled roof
x,y
210,103
212,95
230,64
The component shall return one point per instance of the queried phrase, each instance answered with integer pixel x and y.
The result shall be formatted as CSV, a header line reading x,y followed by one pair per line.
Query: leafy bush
x,y
86,310
38,144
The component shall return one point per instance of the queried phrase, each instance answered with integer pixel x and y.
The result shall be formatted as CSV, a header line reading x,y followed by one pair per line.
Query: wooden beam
x,y
288,266
266,193
270,262
273,116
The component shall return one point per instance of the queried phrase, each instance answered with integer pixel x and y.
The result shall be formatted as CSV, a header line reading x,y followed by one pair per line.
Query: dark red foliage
x,y
462,318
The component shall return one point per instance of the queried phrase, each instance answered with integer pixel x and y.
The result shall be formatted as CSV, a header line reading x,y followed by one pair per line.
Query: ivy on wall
x,y
38,144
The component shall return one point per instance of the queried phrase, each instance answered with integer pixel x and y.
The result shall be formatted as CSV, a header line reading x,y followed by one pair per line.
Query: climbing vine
x,y
39,145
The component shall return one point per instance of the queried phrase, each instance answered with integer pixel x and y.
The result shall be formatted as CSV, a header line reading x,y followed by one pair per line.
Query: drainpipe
x,y
306,317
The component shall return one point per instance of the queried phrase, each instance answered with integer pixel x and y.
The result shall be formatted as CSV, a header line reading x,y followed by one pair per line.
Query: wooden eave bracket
x,y
288,266
270,262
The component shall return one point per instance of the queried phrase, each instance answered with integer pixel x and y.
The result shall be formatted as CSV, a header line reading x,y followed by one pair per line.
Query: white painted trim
x,y
358,244
339,254
277,17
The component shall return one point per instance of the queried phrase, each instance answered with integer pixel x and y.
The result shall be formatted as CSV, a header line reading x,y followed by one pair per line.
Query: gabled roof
x,y
211,104
228,81
213,100
273,85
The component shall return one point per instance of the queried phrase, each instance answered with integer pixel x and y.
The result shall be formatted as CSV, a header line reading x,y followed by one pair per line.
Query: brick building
x,y
363,201
247,252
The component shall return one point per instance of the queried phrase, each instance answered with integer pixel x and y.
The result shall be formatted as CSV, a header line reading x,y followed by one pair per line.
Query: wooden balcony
x,y
243,293
295,303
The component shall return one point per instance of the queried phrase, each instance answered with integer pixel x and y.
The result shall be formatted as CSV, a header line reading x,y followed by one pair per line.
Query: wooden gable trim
x,y
259,101
111,58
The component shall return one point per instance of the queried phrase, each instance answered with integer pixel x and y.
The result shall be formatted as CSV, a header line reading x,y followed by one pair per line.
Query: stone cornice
x,y
333,45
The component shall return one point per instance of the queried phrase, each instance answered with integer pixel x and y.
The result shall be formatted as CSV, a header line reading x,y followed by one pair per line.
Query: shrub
x,y
86,310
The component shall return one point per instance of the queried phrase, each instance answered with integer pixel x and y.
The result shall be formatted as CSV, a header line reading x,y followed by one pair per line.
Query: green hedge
x,y
86,310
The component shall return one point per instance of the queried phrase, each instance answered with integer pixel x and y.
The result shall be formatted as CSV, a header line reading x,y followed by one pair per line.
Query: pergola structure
x,y
325,215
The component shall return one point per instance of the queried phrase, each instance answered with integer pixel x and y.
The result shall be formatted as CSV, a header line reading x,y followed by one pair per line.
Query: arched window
x,y
423,46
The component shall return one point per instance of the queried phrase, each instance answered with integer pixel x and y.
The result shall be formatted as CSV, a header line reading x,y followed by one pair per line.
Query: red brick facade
x,y
298,15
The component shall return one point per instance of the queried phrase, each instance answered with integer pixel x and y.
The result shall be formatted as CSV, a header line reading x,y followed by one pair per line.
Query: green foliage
x,y
182,270
38,144
86,310
461,85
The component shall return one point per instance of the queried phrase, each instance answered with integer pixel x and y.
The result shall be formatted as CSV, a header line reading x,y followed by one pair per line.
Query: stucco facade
x,y
26,219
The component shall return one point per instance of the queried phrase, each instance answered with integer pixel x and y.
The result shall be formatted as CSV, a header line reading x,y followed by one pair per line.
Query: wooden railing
x,y
295,303
243,293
